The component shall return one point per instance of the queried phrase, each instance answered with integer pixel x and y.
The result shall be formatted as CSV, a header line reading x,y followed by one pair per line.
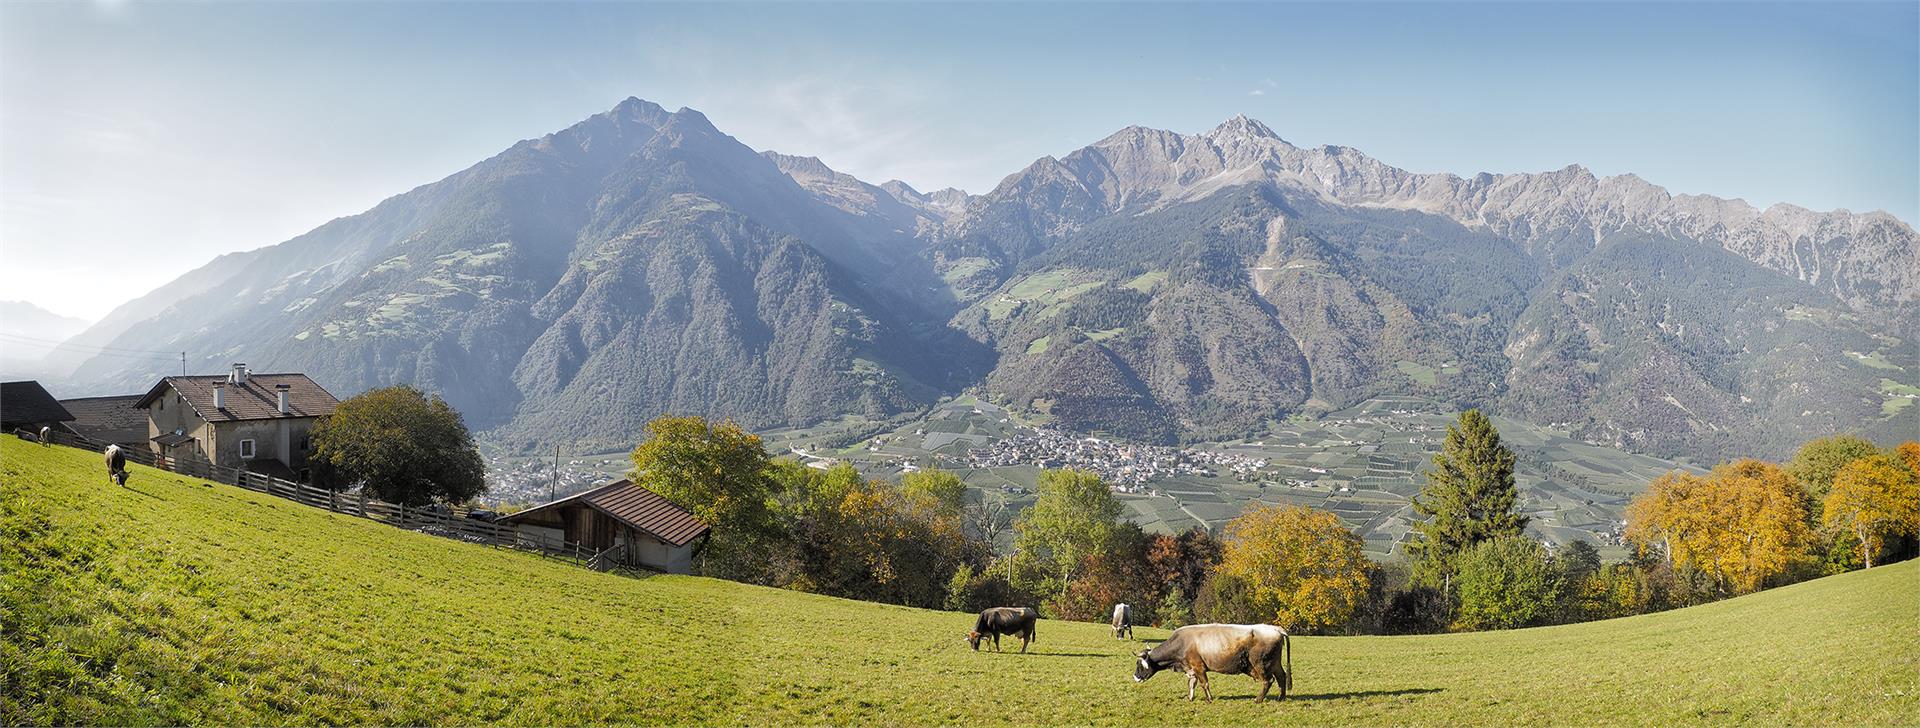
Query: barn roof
x,y
26,402
635,506
254,400
108,419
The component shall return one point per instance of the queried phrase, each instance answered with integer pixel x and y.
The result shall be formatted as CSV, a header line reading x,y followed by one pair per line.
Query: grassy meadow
x,y
177,601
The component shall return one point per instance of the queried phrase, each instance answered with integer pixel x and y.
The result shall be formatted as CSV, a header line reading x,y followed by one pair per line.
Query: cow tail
x,y
1286,648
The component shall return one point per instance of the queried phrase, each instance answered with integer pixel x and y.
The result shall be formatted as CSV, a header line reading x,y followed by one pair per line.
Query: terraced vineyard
x,y
1364,463
178,601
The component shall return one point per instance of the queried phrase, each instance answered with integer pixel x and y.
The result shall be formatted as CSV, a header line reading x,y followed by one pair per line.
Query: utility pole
x,y
183,363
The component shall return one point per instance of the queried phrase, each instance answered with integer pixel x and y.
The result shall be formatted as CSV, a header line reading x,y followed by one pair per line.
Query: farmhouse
x,y
259,422
25,405
642,528
111,420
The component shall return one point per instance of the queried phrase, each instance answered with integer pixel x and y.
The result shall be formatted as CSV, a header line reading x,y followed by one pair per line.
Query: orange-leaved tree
x,y
1909,454
1739,525
1300,567
1873,498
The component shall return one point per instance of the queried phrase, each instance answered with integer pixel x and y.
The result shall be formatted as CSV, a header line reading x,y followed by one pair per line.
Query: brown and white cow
x,y
116,464
1260,651
996,621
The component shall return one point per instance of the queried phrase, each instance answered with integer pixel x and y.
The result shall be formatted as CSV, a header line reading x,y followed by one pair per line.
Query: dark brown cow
x,y
1257,650
996,621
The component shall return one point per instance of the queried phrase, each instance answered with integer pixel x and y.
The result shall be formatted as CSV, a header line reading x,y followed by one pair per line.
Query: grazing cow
x,y
1260,651
46,435
116,465
996,621
1122,620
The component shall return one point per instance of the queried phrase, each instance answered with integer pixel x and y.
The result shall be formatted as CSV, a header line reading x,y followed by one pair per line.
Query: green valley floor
x,y
177,601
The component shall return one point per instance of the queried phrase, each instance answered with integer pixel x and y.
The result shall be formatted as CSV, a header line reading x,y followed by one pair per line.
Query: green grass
x,y
1145,282
178,601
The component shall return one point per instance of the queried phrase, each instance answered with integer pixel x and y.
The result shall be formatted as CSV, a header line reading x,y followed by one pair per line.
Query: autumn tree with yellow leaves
x,y
1739,525
1298,567
1873,498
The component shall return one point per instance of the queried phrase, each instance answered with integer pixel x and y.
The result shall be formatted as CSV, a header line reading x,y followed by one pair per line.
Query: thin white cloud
x,y
1257,92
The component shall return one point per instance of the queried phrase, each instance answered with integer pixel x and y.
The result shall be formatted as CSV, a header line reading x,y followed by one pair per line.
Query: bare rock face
x,y
1867,260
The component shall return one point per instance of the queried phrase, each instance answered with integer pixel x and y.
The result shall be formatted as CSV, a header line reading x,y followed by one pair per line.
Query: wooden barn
x,y
644,529
25,406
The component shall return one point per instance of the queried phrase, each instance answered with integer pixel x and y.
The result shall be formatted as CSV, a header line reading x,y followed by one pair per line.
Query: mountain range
x,y
1154,286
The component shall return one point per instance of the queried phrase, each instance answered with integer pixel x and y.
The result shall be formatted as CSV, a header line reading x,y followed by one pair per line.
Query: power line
x,y
115,354
53,344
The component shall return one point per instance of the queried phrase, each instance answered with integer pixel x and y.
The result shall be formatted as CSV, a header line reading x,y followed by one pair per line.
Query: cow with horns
x,y
996,621
1259,651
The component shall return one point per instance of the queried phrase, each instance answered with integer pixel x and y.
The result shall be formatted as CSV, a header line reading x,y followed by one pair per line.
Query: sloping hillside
x,y
179,601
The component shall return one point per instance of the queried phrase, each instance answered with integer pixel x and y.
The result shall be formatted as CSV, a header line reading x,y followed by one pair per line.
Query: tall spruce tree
x,y
1469,498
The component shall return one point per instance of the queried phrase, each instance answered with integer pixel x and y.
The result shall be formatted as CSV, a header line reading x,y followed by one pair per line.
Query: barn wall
x,y
170,412
286,440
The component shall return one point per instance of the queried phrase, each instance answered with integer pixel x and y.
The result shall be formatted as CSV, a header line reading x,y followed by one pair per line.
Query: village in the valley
x,y
1363,463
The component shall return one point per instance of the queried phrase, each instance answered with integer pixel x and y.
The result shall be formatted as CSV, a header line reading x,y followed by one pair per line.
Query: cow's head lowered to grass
x,y
1144,668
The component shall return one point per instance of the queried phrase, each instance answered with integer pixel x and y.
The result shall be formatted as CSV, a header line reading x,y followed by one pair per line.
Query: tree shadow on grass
x,y
1337,696
1080,654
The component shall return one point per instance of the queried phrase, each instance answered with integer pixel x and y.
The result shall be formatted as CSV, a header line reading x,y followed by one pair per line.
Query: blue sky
x,y
159,136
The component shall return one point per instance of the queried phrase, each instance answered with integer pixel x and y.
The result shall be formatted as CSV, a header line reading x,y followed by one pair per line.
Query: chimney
x,y
219,397
239,375
282,390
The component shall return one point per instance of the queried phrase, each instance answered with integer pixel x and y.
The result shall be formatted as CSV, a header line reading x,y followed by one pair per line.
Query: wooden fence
x,y
450,522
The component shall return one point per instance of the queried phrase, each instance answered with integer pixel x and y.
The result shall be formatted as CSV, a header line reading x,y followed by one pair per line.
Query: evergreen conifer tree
x,y
1470,497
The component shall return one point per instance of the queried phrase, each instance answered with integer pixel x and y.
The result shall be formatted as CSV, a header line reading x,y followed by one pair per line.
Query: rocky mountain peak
x,y
1241,126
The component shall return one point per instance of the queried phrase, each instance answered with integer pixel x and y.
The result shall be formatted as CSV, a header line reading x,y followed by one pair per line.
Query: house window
x,y
246,449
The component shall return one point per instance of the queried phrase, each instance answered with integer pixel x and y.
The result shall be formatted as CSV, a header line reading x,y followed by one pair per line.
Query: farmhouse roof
x,y
108,419
253,400
26,402
173,438
635,506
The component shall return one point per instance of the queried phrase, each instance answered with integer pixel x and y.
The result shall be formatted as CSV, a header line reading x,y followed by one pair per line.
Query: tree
x,y
1300,567
1504,583
1818,461
1739,526
1873,498
1112,575
942,489
1909,454
407,447
1073,514
1181,563
1469,497
720,473
987,517
868,539
1574,565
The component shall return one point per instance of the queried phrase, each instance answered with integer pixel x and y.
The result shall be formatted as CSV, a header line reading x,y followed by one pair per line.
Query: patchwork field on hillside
x,y
1364,463
177,601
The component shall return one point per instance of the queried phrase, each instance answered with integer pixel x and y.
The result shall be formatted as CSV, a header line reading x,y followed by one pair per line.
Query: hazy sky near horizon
x,y
139,141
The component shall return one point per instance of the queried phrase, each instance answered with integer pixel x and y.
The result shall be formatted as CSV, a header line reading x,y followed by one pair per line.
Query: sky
x,y
139,141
